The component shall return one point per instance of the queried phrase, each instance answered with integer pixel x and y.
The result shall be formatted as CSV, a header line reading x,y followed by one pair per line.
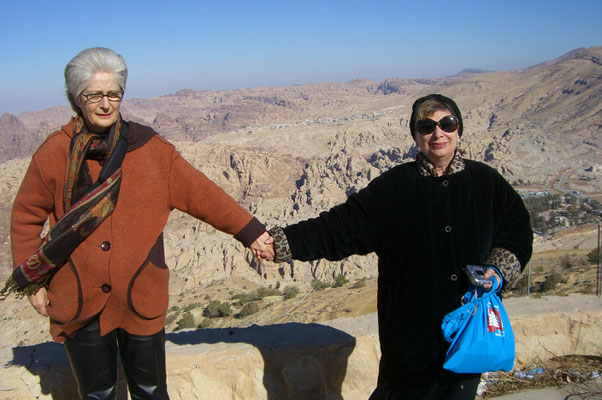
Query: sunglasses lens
x,y
426,126
449,124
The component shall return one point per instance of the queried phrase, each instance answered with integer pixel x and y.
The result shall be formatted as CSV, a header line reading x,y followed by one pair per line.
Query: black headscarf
x,y
449,103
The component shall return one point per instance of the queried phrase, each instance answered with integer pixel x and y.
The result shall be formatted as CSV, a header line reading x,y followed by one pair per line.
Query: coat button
x,y
106,288
453,277
447,229
445,183
105,246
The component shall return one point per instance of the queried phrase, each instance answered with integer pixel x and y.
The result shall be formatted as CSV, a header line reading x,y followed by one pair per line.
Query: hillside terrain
x,y
21,325
287,153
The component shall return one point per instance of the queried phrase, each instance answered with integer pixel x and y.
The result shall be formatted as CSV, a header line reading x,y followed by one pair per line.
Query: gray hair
x,y
81,69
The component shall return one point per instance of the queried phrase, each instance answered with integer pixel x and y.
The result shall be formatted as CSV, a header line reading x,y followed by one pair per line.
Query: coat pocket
x,y
148,291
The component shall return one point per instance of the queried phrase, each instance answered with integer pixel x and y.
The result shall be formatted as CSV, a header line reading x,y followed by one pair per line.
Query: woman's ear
x,y
76,100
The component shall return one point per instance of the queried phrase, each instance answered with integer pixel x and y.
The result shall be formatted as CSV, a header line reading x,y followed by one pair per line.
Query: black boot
x,y
93,360
143,360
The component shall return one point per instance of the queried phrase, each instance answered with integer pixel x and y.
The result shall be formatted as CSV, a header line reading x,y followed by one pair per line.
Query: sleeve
x,y
513,229
282,249
506,263
32,205
194,193
346,229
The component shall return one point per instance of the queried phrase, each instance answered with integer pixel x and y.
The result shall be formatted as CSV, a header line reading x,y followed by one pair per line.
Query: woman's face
x,y
438,147
100,116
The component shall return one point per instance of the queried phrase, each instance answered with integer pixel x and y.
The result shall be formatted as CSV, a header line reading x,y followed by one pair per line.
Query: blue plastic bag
x,y
480,334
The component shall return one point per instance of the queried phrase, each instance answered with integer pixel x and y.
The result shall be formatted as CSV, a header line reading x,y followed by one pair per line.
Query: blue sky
x,y
233,44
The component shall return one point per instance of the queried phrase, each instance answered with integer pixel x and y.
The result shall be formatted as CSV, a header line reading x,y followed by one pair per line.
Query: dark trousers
x,y
434,383
93,360
462,389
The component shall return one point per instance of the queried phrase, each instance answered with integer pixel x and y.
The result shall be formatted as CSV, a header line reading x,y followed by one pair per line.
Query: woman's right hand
x,y
39,301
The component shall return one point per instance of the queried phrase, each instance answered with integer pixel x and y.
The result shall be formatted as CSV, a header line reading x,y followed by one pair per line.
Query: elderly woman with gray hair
x,y
107,186
426,220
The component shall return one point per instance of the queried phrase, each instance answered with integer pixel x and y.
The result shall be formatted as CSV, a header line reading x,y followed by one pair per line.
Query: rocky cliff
x,y
333,360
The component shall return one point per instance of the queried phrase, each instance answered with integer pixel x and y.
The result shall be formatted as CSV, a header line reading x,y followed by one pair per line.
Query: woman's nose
x,y
104,103
438,132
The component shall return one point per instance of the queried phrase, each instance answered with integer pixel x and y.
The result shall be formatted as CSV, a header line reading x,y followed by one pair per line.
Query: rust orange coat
x,y
119,271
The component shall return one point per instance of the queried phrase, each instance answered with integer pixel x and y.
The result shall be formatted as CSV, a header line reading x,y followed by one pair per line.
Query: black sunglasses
x,y
447,124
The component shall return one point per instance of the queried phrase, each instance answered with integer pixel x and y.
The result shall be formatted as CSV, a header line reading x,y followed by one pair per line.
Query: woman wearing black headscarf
x,y
426,220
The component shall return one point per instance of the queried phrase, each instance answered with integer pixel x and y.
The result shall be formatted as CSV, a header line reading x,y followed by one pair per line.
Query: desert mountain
x,y
288,153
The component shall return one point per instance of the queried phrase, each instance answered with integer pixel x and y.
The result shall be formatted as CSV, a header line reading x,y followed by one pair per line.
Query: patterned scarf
x,y
427,169
86,205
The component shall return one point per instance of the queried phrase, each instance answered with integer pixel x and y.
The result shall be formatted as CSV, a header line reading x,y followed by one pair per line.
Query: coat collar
x,y
425,168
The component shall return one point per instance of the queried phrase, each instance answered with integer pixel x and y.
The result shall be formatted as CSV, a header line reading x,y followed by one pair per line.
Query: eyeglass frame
x,y
102,96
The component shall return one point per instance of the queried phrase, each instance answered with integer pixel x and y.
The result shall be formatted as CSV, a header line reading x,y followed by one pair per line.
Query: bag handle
x,y
496,286
481,293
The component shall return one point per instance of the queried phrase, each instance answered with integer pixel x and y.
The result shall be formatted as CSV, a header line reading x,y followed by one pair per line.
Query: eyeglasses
x,y
447,124
97,97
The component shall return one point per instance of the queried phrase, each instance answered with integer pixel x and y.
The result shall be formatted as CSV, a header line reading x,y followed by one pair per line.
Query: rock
x,y
333,360
554,326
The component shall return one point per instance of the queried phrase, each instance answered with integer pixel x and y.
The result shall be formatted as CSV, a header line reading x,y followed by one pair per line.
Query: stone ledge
x,y
333,360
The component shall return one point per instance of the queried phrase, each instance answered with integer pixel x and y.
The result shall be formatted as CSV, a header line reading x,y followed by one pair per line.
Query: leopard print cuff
x,y
507,263
281,247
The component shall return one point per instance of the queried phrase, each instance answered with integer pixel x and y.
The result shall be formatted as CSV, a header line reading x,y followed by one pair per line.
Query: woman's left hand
x,y
489,272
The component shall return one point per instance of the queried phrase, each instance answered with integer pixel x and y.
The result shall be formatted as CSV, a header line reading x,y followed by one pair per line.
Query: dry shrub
x,y
576,369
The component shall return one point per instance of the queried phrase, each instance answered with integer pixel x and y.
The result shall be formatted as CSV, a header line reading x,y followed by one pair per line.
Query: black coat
x,y
424,231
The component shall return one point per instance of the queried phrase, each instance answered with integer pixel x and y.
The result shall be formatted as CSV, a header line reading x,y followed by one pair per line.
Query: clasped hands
x,y
263,247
